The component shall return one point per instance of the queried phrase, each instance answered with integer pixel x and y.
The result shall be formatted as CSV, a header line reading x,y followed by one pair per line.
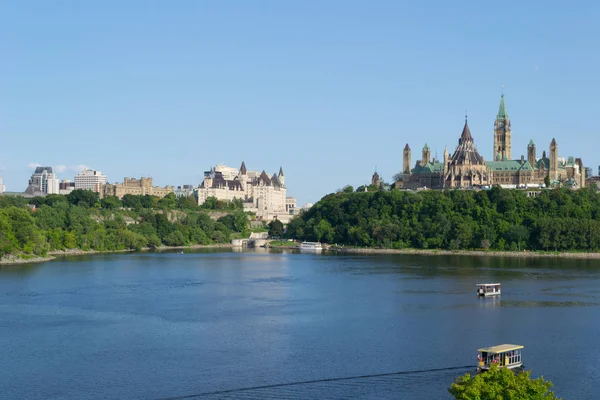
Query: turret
x,y
553,160
446,159
531,153
426,155
281,177
406,160
242,176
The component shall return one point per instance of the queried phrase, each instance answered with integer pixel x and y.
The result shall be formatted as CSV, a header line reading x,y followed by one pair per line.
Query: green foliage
x,y
496,219
547,180
187,203
275,228
81,221
111,203
501,383
212,203
169,202
82,197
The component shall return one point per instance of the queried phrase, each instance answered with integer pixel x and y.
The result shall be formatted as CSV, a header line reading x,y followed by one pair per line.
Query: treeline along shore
x,y
487,222
39,228
495,220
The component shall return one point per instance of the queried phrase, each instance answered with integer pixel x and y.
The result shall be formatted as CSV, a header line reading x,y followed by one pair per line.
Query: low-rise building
x,y
89,179
66,187
185,191
142,186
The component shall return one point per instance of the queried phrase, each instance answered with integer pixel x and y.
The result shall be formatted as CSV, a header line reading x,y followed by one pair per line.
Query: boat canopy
x,y
488,284
502,348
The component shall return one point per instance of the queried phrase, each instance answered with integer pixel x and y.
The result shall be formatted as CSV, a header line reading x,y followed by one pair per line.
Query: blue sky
x,y
327,89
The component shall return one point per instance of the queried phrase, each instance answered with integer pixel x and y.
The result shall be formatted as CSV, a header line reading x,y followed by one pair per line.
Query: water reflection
x,y
493,301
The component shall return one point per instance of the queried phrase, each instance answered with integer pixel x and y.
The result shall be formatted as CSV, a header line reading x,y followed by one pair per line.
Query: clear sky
x,y
327,89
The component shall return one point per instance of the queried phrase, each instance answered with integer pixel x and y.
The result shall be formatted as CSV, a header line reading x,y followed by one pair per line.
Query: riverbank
x,y
12,259
471,253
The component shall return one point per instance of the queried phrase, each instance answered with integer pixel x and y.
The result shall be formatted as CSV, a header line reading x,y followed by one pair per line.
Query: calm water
x,y
156,326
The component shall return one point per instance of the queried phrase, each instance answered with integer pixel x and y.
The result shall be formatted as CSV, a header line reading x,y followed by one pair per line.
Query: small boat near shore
x,y
504,355
311,246
488,289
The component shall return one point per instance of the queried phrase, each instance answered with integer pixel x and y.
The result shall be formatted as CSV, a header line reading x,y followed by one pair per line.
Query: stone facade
x,y
466,168
142,186
263,195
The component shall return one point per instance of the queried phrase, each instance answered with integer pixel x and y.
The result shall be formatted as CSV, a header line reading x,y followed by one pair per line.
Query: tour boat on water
x,y
504,355
311,246
488,289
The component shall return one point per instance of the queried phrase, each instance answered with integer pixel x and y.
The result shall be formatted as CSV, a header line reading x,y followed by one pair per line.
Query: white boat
x,y
488,289
311,246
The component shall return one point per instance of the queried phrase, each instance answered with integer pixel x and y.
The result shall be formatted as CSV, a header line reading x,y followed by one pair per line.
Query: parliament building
x,y
466,168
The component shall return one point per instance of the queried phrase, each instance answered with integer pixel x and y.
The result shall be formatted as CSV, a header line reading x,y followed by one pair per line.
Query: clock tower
x,y
502,134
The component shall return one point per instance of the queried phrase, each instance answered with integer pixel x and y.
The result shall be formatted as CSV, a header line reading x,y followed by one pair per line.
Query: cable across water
x,y
346,378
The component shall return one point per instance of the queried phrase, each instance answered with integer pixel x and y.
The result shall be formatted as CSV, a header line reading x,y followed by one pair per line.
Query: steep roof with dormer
x,y
243,170
275,180
264,178
281,171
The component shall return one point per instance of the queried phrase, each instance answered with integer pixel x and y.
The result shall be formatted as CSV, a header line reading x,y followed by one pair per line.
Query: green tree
x,y
111,203
169,202
131,201
275,228
83,197
501,383
187,203
547,180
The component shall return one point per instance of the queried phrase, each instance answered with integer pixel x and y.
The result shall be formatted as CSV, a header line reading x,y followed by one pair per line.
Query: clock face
x,y
501,125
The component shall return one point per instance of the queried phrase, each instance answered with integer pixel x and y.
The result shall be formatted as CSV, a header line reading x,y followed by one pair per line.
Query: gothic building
x,y
263,195
466,168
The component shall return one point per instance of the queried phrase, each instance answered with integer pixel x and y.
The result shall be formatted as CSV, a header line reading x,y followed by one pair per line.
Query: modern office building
x,y
89,179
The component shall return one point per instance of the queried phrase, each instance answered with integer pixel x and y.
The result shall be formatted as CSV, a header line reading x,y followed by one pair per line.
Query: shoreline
x,y
53,255
12,259
472,253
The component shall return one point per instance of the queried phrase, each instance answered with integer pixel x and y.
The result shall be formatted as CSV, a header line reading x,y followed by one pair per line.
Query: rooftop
x,y
502,348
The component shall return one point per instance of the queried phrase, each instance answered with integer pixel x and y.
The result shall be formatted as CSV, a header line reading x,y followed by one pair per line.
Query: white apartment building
x,y
43,182
2,187
89,179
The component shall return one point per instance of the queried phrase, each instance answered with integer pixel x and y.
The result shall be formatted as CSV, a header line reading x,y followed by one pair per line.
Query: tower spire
x,y
502,114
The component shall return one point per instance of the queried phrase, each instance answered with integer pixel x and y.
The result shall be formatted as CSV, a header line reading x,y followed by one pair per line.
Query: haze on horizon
x,y
327,90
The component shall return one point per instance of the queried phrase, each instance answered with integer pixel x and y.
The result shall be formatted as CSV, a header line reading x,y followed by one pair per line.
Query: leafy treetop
x,y
501,384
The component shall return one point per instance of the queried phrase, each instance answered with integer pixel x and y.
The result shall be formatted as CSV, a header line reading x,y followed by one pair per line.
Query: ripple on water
x,y
546,303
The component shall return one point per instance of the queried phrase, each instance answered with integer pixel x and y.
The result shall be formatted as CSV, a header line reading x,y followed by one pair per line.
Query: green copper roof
x,y
428,168
502,114
508,165
426,147
545,163
531,143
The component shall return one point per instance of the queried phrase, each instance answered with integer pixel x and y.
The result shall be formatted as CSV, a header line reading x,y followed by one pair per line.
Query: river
x,y
169,325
